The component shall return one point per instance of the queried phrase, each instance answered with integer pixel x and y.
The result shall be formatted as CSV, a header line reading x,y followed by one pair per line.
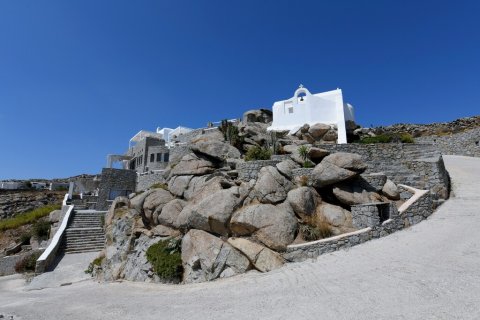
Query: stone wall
x,y
145,181
249,170
417,165
7,264
465,143
115,180
418,211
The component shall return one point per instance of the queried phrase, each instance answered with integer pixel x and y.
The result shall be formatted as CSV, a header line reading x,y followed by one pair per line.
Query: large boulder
x,y
292,149
317,154
271,187
390,190
202,186
192,165
119,202
206,257
213,213
348,161
255,132
154,204
262,258
170,212
356,191
136,202
217,150
285,167
178,184
274,226
318,130
338,218
261,115
304,201
326,173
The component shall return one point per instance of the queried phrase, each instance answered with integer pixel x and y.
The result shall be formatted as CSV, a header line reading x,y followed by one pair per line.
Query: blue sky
x,y
79,78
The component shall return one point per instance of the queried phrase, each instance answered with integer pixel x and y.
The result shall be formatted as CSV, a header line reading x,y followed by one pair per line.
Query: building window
x,y
159,157
166,157
152,157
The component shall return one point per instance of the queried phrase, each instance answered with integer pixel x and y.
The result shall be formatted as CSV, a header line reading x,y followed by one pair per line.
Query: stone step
x,y
83,250
85,225
86,238
84,245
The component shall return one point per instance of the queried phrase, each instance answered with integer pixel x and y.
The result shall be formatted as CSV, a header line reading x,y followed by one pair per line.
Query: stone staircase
x,y
84,232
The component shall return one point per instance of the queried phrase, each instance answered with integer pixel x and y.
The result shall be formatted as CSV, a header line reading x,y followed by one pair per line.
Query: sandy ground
x,y
429,271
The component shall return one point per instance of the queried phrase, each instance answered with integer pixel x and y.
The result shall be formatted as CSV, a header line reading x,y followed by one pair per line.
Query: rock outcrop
x,y
274,226
206,257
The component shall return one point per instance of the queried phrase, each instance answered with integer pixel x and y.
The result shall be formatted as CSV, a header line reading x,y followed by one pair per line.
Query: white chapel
x,y
306,108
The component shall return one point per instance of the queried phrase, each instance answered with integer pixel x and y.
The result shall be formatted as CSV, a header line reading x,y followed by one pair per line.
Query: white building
x,y
168,134
306,108
12,185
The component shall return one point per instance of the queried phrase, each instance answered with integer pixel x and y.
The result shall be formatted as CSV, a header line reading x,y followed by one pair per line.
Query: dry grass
x,y
27,217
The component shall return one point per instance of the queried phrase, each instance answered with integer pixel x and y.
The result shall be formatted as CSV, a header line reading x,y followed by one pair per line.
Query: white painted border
x,y
54,244
417,193
335,238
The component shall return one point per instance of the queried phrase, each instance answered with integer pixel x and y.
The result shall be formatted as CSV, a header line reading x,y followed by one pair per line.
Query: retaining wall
x,y
145,181
417,165
7,264
465,143
249,170
420,208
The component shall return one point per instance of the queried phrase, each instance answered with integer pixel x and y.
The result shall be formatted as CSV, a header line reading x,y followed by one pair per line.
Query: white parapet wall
x,y
48,256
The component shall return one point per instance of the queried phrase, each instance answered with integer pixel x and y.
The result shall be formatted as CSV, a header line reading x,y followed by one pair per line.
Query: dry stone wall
x,y
462,144
418,211
417,165
145,181
249,170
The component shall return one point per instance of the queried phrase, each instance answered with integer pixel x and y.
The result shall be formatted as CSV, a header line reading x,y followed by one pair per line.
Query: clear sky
x,y
79,78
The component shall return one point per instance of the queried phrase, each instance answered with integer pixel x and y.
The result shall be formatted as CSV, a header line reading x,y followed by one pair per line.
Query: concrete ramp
x,y
70,269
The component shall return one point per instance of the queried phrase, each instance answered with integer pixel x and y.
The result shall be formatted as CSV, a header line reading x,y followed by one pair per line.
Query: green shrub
x,y
28,263
382,138
25,238
159,186
406,138
97,262
165,257
41,229
303,152
231,134
27,217
308,164
389,137
258,153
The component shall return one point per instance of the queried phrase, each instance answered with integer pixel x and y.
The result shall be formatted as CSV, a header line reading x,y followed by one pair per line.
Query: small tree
x,y
303,152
